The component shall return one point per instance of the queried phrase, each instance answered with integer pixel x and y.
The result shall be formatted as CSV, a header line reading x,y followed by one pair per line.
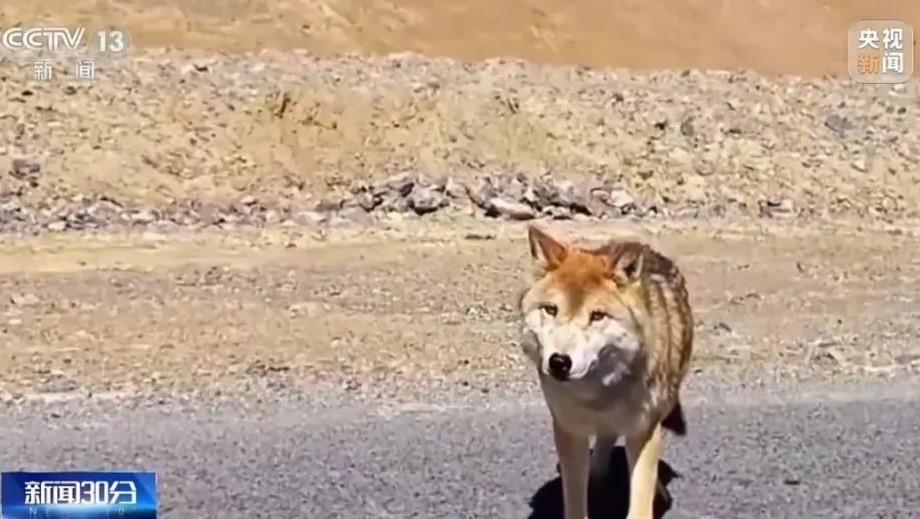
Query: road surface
x,y
845,451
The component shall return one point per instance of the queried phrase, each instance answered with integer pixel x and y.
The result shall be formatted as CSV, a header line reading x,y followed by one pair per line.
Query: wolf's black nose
x,y
559,366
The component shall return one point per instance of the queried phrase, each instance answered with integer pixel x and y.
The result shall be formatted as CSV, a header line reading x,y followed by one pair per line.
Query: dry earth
x,y
803,37
191,149
176,312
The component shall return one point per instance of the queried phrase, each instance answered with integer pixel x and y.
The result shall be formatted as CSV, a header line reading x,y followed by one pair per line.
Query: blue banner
x,y
78,495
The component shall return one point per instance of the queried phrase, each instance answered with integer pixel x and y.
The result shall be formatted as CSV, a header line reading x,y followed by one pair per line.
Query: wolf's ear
x,y
545,249
627,268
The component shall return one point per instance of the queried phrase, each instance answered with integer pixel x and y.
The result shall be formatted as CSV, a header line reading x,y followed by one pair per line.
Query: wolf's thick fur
x,y
610,331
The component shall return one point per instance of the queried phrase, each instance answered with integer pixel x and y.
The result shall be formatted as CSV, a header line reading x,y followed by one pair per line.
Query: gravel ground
x,y
134,313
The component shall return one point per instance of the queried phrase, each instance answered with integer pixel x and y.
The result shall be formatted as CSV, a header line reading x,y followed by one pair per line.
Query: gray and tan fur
x,y
610,331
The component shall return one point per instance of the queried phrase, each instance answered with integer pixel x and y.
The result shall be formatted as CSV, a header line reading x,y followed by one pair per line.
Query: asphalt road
x,y
825,452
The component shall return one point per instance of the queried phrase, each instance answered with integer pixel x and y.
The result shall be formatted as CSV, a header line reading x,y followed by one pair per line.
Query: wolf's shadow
x,y
608,498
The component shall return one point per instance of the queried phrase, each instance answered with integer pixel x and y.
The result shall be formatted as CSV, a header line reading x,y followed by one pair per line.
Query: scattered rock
x,y
426,199
722,327
24,300
26,170
454,189
912,359
329,206
512,210
567,195
478,237
368,201
777,208
57,226
483,193
143,217
620,200
556,213
402,184
838,124
860,165
686,127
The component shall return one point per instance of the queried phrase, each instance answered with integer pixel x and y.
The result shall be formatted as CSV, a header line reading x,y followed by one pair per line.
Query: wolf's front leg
x,y
601,452
642,452
572,450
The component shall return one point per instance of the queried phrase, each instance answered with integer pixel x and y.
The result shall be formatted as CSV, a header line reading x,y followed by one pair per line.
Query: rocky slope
x,y
199,137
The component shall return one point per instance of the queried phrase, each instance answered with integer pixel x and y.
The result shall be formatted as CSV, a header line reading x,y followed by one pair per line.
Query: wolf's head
x,y
583,313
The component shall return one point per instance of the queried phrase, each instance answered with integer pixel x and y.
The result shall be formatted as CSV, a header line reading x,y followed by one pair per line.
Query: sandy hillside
x,y
804,37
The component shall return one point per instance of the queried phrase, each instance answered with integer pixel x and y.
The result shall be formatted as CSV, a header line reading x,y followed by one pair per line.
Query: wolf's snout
x,y
559,366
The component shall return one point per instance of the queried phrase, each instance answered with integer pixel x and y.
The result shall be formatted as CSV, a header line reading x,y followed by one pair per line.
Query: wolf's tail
x,y
675,421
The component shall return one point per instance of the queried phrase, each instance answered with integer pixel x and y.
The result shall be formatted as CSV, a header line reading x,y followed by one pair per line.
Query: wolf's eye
x,y
598,315
550,309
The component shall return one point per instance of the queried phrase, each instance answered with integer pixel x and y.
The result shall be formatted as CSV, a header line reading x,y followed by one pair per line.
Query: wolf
x,y
610,332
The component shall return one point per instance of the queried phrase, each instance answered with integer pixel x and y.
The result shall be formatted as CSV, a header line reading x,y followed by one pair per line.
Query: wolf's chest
x,y
594,409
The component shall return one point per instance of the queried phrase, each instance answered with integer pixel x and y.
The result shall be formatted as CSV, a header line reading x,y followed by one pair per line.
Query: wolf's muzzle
x,y
559,366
